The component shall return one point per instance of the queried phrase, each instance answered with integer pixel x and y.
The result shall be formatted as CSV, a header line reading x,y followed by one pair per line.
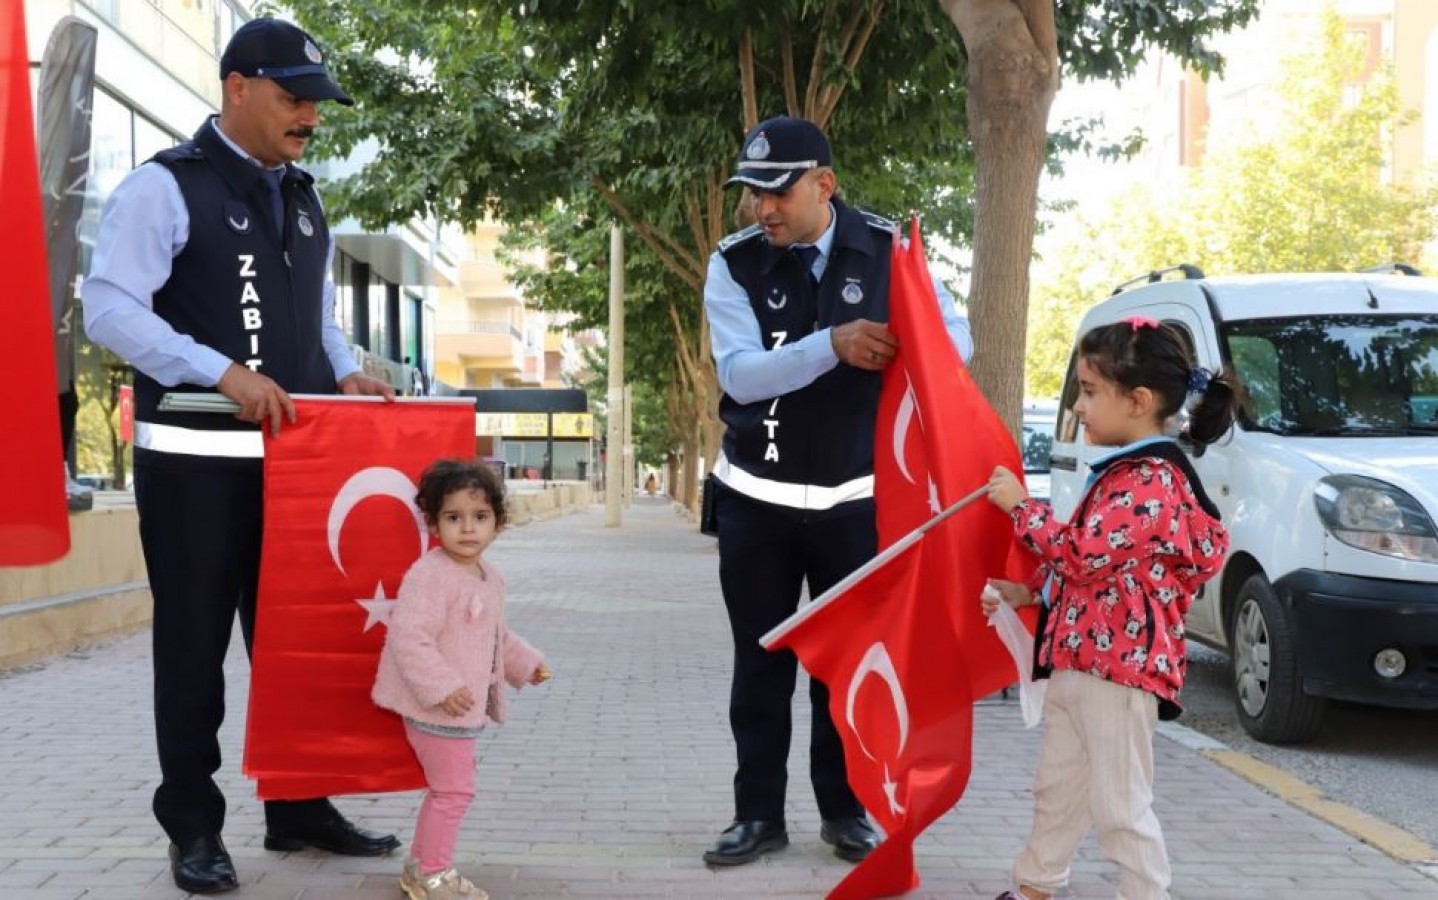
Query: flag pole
x,y
196,401
893,550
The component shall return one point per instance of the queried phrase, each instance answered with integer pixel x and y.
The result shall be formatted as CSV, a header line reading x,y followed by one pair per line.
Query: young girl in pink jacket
x,y
446,658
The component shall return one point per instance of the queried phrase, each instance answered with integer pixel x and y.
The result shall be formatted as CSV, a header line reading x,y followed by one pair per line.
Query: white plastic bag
x,y
1021,646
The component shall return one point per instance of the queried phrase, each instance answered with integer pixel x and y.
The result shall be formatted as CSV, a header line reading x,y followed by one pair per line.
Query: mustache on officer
x,y
304,131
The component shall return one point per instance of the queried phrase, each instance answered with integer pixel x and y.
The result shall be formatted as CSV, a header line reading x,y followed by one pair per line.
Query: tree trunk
x,y
1012,77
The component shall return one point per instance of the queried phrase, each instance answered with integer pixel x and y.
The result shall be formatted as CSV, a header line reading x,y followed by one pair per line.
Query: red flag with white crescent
x,y
902,643
34,521
341,529
938,440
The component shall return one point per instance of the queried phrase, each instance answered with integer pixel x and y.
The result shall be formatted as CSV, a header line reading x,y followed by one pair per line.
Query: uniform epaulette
x,y
740,237
181,152
879,222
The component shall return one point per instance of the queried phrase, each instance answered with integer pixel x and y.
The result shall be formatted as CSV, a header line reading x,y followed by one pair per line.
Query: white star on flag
x,y
891,788
934,506
379,608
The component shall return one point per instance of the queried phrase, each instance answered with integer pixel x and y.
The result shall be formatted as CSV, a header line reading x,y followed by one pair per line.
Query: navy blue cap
x,y
275,49
778,152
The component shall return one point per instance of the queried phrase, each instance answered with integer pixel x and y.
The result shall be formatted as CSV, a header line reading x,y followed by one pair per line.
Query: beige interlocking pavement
x,y
609,781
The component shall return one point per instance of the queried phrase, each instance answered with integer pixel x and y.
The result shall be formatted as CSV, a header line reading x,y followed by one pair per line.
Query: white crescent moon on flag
x,y
876,661
376,481
908,408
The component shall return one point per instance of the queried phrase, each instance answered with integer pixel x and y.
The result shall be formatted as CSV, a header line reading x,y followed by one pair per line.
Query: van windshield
x,y
1337,375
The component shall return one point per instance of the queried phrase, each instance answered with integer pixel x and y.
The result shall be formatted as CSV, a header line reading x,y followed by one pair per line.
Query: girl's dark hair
x,y
1140,352
445,476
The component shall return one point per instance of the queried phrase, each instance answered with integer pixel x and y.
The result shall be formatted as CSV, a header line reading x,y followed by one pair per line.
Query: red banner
x,y
34,523
902,644
341,530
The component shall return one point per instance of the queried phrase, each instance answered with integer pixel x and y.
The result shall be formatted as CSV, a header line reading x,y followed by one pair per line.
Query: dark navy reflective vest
x,y
823,433
237,286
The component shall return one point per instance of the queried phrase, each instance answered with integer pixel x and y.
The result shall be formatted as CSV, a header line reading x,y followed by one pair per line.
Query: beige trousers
x,y
1096,768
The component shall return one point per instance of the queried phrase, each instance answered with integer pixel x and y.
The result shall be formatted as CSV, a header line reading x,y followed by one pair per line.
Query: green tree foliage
x,y
1311,196
560,116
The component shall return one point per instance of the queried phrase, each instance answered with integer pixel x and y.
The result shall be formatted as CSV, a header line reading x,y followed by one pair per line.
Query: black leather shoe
x,y
203,866
853,837
746,841
335,834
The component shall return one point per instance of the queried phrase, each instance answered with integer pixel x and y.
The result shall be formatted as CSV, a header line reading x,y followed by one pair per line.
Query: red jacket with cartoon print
x,y
1125,569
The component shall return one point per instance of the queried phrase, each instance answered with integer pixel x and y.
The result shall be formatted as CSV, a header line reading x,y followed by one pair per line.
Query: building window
x,y
228,18
379,323
411,338
344,295
150,139
359,303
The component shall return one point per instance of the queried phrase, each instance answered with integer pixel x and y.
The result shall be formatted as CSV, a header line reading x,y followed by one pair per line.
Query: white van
x,y
1328,484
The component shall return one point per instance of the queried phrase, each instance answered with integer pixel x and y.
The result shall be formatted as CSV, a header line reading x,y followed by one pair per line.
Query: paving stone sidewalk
x,y
609,781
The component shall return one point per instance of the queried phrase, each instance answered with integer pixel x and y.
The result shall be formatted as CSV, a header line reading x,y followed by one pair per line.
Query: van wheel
x,y
1271,704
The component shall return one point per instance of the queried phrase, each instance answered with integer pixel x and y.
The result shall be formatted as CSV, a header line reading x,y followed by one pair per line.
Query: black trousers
x,y
200,525
766,553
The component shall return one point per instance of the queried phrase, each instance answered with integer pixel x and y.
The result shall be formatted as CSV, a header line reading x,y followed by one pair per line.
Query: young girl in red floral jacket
x,y
446,659
1117,580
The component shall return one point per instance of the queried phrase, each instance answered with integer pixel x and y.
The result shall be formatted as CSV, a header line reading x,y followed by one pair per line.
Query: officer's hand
x,y
360,383
864,344
260,399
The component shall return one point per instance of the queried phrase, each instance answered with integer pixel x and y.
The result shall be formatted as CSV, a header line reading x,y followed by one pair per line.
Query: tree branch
x,y
674,257
746,80
786,56
851,48
816,65
681,342
1039,14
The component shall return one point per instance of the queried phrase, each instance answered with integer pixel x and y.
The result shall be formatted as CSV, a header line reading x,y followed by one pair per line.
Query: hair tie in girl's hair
x,y
1198,380
1137,322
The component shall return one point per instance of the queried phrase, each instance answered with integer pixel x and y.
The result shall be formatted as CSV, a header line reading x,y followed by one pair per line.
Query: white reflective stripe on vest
x,y
799,496
193,441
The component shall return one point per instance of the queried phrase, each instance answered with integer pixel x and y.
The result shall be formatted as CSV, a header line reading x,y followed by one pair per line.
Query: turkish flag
x,y
938,440
902,643
34,522
341,530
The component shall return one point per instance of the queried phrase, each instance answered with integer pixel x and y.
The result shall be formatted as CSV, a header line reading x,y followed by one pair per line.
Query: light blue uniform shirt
x,y
144,226
748,372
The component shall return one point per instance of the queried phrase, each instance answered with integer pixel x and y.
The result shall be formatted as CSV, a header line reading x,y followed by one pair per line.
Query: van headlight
x,y
1371,515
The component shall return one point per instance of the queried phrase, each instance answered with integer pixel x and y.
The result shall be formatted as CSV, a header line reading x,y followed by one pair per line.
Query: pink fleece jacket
x,y
442,637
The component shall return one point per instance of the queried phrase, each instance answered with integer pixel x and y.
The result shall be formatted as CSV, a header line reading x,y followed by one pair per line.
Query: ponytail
x,y
1211,407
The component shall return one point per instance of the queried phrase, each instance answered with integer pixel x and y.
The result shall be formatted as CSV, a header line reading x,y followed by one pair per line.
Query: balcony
x,y
487,353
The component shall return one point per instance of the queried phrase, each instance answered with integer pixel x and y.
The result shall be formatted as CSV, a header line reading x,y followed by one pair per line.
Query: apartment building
x,y
1183,117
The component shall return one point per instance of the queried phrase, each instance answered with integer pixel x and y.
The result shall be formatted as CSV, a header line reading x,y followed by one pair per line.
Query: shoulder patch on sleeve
x,y
740,237
879,222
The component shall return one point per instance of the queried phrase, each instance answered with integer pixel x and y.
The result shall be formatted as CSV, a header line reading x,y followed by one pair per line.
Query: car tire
x,y
1268,687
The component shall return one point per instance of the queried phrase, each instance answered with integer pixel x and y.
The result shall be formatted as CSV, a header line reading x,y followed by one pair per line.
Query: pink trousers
x,y
448,765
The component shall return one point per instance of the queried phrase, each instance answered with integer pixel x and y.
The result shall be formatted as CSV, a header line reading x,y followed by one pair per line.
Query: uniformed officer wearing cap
x,y
797,305
211,272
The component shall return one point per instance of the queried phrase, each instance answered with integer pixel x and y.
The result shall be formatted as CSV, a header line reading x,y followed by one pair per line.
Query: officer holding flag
x,y
797,304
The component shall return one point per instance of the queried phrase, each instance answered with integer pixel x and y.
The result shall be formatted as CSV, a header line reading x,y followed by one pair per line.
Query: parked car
x,y
1328,484
1040,418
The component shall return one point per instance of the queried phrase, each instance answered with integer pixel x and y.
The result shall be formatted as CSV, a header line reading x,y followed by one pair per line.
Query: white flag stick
x,y
889,553
190,401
